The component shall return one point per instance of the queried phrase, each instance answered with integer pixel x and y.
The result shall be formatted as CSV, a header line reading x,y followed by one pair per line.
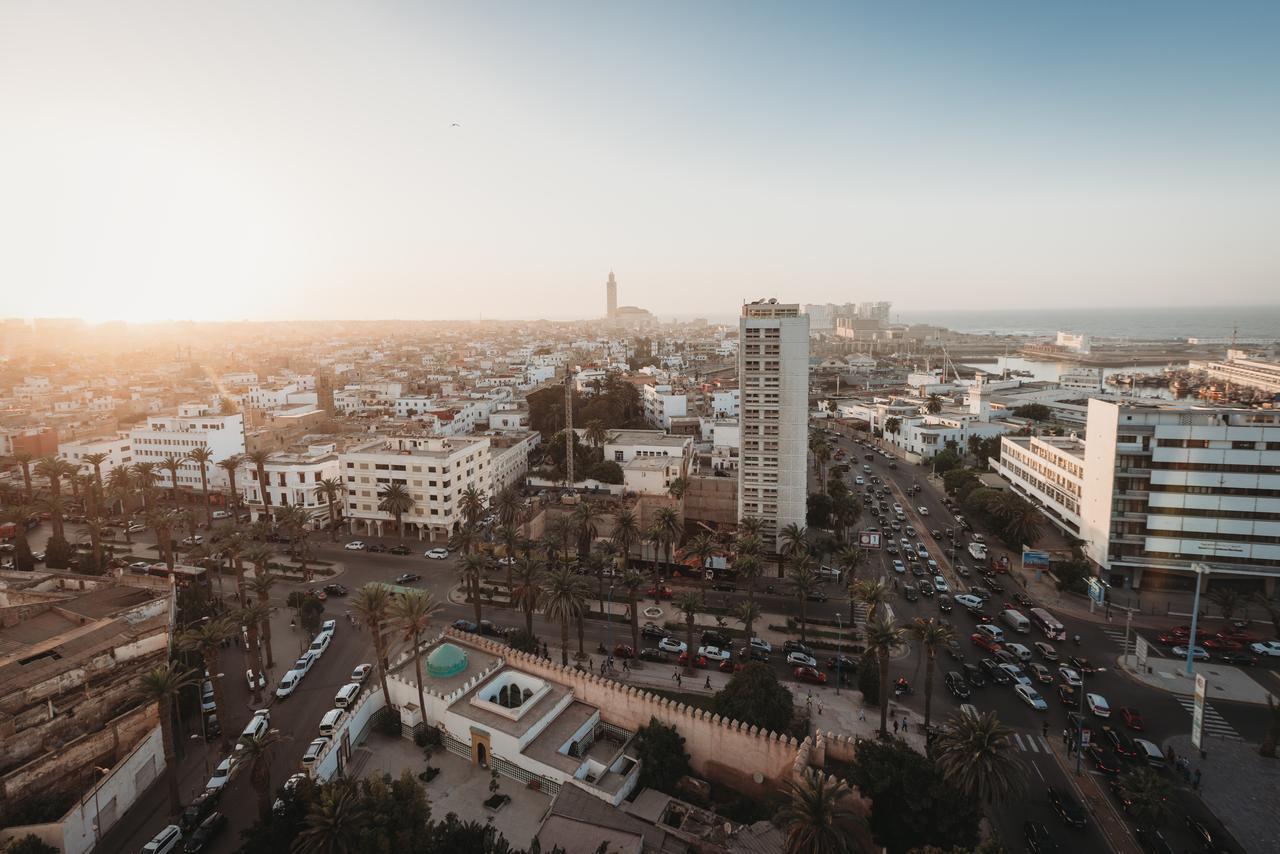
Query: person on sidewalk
x,y
895,726
707,684
1195,783
862,713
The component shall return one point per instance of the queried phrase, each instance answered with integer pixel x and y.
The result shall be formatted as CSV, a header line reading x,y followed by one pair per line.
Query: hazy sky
x,y
297,160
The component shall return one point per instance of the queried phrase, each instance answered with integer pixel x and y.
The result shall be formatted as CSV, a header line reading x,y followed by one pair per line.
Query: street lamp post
x,y
1199,568
839,651
609,616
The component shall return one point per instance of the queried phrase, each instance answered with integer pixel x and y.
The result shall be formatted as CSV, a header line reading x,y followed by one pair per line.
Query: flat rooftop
x,y
645,437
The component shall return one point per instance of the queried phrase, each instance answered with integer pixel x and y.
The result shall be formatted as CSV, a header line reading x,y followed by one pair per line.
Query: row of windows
x,y
1235,445
1216,467
1211,513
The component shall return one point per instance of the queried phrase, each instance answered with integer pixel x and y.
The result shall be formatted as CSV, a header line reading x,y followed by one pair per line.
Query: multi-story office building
x,y
194,426
292,478
116,448
1158,487
434,470
773,372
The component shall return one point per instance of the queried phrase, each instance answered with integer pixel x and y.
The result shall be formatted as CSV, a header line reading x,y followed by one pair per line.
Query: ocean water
x,y
1141,324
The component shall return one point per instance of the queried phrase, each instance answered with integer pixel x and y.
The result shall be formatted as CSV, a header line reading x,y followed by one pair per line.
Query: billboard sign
x,y
1142,652
1197,713
869,539
1097,590
1037,559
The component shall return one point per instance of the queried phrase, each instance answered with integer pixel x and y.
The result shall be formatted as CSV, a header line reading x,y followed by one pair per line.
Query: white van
x,y
164,841
288,683
256,728
1024,654
346,695
329,722
993,632
1016,621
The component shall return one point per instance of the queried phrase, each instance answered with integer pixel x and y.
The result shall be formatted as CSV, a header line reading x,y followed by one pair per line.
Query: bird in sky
x,y
456,125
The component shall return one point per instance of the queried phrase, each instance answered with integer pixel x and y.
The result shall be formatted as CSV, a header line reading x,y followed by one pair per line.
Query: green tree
x,y
945,461
913,805
527,593
869,679
55,470
372,607
818,510
470,573
663,761
892,425
1150,796
633,582
747,612
755,696
564,598
702,549
260,586
933,404
335,822
793,540
231,465
206,638
412,614
821,816
259,460
29,844
977,756
330,491
626,533
805,580
930,634
171,463
395,499
667,521
1033,412
17,515
882,637
689,608
259,753
163,684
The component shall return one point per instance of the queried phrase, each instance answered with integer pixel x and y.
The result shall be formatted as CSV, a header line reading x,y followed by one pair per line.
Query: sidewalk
x,y
1223,682
1240,788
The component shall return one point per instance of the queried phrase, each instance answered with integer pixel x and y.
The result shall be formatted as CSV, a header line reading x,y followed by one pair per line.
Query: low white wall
x,y
351,730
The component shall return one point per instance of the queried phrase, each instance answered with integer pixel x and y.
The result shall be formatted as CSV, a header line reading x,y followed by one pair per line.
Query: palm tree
x,y
202,457
821,456
259,459
793,540
55,470
471,504
18,516
328,491
412,614
559,532
657,536
806,581
584,521
231,543
260,586
171,463
207,638
626,533
251,617
678,487
596,434
470,572
881,638
701,549
846,511
668,521
23,459
747,613
977,756
507,505
259,752
334,823
162,684
892,425
930,634
748,568
633,582
690,607
527,594
933,405
95,461
509,535
820,816
231,465
1149,796
395,499
162,522
873,594
564,598
372,606
120,485
1020,522
144,475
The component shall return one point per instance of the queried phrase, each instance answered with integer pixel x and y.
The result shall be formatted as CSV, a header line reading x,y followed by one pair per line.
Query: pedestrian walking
x,y
679,681
862,714
707,684
1195,784
819,707
675,674
1044,730
591,664
895,726
904,723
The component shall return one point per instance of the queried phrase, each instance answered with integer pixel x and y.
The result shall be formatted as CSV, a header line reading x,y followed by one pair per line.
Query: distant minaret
x,y
611,297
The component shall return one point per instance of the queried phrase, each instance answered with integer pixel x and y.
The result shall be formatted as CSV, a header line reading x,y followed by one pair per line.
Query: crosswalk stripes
x,y
1117,635
1030,743
1214,723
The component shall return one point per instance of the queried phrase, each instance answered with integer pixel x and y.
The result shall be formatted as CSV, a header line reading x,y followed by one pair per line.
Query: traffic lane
x,y
1032,804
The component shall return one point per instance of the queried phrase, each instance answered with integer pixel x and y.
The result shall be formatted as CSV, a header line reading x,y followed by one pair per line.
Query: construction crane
x,y
568,425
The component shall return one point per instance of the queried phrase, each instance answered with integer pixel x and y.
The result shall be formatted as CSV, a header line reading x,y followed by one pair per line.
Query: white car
x,y
899,567
897,508
968,600
288,683
303,665
1046,650
672,645
248,679
329,627
940,584
507,561
1070,677
314,749
320,644
799,659
1199,653
1098,705
1271,647
859,480
924,511
221,775
137,528
361,673
1016,675
1031,697
761,644
221,514
355,546
207,703
192,540
436,554
713,653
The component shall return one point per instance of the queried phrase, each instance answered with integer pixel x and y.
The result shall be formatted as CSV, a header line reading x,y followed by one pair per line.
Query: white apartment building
x,y
726,442
1049,472
726,403
773,372
194,426
510,416
290,394
662,403
651,475
291,480
509,457
623,446
1161,486
434,470
116,448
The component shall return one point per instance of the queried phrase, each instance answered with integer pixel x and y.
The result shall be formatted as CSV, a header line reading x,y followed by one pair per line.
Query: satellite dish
x,y
758,777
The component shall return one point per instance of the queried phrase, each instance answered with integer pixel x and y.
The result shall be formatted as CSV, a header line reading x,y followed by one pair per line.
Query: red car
x,y
624,650
664,593
1240,636
1171,639
809,674
1132,718
1184,632
731,666
698,661
984,642
1223,645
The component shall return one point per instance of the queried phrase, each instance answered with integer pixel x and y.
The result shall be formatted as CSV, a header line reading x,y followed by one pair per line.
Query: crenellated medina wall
x,y
719,749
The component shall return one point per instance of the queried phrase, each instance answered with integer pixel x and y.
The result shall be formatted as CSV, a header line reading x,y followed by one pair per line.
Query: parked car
x,y
355,546
653,630
1238,659
1067,807
763,645
1132,718
973,675
221,776
795,646
956,685
842,662
1198,653
399,550
800,659
1268,648
248,680
436,554
657,655
1098,705
810,674
670,644
320,644
698,660
208,829
165,841
199,808
714,653
361,673
466,626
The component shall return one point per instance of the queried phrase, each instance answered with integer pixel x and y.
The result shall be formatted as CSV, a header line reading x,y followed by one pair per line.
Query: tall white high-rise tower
x,y
611,297
773,371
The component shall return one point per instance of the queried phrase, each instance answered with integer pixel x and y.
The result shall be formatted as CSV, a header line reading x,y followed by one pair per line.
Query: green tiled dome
x,y
446,660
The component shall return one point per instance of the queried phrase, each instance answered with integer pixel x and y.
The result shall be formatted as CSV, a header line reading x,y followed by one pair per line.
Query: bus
x,y
1047,623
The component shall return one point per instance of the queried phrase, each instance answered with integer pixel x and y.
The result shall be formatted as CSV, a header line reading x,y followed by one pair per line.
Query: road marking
x,y
1036,766
1214,723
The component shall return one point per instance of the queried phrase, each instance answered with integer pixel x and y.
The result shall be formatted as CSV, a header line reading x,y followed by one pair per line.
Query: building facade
x,y
773,371
1049,472
116,448
194,426
292,479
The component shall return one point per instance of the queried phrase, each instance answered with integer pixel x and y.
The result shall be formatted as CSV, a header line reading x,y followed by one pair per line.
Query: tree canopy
x,y
662,758
755,696
1034,411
